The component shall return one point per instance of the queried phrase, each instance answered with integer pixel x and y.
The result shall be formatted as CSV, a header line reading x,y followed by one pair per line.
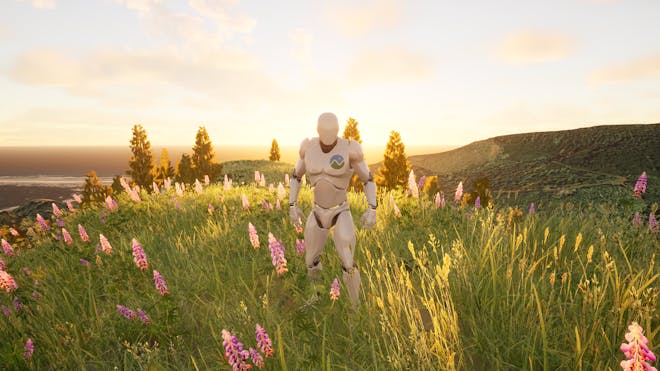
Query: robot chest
x,y
333,163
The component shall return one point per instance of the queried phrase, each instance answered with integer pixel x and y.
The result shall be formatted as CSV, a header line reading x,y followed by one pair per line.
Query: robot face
x,y
328,128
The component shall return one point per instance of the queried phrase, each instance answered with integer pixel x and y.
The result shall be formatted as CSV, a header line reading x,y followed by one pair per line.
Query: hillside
x,y
547,164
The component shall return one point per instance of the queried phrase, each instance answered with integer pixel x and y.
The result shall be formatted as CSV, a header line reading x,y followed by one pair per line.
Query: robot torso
x,y
329,173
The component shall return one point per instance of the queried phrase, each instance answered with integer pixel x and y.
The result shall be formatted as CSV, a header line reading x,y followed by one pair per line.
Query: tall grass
x,y
441,289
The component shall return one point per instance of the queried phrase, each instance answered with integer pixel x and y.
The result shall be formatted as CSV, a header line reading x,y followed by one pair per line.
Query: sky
x,y
83,72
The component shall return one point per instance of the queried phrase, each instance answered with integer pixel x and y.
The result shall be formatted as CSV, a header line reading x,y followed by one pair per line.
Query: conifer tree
x,y
94,190
274,151
141,163
431,186
394,171
202,157
184,170
165,169
351,131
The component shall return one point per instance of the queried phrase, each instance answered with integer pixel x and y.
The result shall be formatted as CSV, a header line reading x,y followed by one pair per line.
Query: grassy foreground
x,y
443,288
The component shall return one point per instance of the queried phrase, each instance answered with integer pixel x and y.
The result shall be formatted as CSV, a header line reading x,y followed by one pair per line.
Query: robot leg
x,y
344,236
315,238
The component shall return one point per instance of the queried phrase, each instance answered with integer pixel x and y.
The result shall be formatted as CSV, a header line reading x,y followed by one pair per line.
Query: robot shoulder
x,y
303,147
355,151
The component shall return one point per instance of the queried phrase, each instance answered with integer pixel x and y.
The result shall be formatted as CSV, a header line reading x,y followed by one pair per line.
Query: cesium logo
x,y
336,162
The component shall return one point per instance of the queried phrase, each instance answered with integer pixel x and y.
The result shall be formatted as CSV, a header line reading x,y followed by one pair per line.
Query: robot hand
x,y
296,215
368,219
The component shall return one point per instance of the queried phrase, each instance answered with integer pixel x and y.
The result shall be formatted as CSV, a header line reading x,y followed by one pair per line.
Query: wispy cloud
x,y
358,20
391,65
530,46
647,67
302,45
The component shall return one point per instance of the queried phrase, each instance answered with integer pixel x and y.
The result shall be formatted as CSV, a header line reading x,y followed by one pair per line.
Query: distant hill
x,y
554,163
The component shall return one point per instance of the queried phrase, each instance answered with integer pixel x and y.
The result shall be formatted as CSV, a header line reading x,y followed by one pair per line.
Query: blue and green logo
x,y
336,162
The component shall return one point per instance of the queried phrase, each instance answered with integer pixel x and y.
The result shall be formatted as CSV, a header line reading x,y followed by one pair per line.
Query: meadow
x,y
443,287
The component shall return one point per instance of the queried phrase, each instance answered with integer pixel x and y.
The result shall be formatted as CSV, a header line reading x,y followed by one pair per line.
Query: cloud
x,y
217,11
43,4
524,47
359,20
390,65
647,67
302,45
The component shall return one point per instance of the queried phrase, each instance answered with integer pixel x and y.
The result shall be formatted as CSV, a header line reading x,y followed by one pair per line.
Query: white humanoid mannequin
x,y
330,162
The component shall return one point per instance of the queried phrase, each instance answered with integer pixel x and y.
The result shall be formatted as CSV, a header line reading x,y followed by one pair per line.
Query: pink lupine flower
x,y
102,217
271,188
198,187
56,210
211,209
640,186
60,222
178,189
105,244
36,282
207,180
29,349
177,204
256,357
281,192
266,205
300,247
111,204
278,205
167,183
3,266
139,256
6,247
67,237
263,341
277,254
85,262
236,355
459,192
436,200
422,182
154,186
36,295
397,212
226,184
286,180
77,198
14,232
244,202
43,226
143,316
126,312
636,350
134,194
6,311
262,181
26,271
7,282
334,290
653,223
412,185
636,219
17,304
477,202
83,233
532,209
124,184
69,206
254,237
257,177
160,283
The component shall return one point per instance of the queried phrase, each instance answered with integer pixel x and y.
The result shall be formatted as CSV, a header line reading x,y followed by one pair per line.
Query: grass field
x,y
447,288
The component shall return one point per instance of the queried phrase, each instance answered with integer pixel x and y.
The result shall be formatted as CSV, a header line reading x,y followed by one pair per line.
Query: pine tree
x,y
274,151
184,170
202,157
395,169
165,169
431,186
94,190
351,131
141,163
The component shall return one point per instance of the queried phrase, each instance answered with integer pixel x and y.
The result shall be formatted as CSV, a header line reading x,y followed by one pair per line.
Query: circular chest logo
x,y
336,162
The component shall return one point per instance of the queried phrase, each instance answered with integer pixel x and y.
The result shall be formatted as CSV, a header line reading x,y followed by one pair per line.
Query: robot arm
x,y
294,187
362,170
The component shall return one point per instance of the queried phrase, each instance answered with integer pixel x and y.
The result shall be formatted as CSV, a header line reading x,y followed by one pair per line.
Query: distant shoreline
x,y
12,196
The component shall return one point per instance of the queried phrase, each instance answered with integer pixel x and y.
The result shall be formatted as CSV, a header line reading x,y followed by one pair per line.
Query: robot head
x,y
328,128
